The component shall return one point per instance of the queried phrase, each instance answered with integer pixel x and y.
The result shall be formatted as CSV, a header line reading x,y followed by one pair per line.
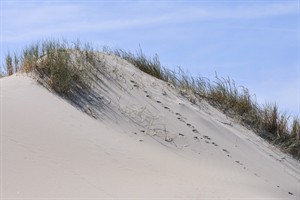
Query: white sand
x,y
50,149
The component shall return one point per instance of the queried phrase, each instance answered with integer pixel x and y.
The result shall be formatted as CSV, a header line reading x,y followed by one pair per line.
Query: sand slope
x,y
143,141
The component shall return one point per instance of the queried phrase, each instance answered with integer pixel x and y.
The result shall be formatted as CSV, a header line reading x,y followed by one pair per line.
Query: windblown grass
x,y
9,65
150,66
63,66
55,64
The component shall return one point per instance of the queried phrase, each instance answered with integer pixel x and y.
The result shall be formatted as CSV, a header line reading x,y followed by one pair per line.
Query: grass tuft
x,y
9,64
53,62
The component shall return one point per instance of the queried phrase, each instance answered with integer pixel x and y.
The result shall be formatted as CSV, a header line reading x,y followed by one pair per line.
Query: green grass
x,y
9,65
55,64
52,61
150,66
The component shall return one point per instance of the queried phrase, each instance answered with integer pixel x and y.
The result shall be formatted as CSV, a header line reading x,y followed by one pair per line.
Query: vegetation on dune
x,y
59,64
64,66
237,102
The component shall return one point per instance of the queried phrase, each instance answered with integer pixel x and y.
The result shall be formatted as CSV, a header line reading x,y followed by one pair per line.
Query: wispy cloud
x,y
39,20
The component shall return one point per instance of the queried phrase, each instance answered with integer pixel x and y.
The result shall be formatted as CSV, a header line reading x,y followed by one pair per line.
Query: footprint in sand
x,y
225,150
206,137
166,108
196,138
206,141
214,144
195,131
178,114
180,119
158,101
148,95
238,162
291,193
180,134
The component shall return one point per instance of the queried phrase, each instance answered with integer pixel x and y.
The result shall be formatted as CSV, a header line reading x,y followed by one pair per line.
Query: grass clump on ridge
x,y
150,66
55,64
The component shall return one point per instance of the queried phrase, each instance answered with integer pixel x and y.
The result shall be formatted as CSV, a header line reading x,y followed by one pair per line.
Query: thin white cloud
x,y
259,28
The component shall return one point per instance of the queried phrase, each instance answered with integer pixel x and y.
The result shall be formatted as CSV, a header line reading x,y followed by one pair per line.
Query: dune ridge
x,y
141,138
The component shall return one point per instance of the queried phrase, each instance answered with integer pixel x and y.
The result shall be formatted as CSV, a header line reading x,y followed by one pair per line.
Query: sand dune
x,y
133,137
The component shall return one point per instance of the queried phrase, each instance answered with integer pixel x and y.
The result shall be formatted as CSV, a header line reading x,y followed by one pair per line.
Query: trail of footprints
x,y
206,138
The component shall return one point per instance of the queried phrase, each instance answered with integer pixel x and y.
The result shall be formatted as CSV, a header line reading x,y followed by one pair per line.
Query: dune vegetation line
x,y
63,66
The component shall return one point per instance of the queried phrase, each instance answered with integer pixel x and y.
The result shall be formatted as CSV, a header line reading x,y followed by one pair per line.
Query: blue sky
x,y
256,42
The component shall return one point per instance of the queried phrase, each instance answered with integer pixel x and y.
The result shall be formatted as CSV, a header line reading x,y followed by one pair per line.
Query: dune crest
x,y
139,138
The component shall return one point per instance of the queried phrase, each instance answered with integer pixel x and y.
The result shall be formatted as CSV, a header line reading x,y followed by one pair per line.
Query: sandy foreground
x,y
145,141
